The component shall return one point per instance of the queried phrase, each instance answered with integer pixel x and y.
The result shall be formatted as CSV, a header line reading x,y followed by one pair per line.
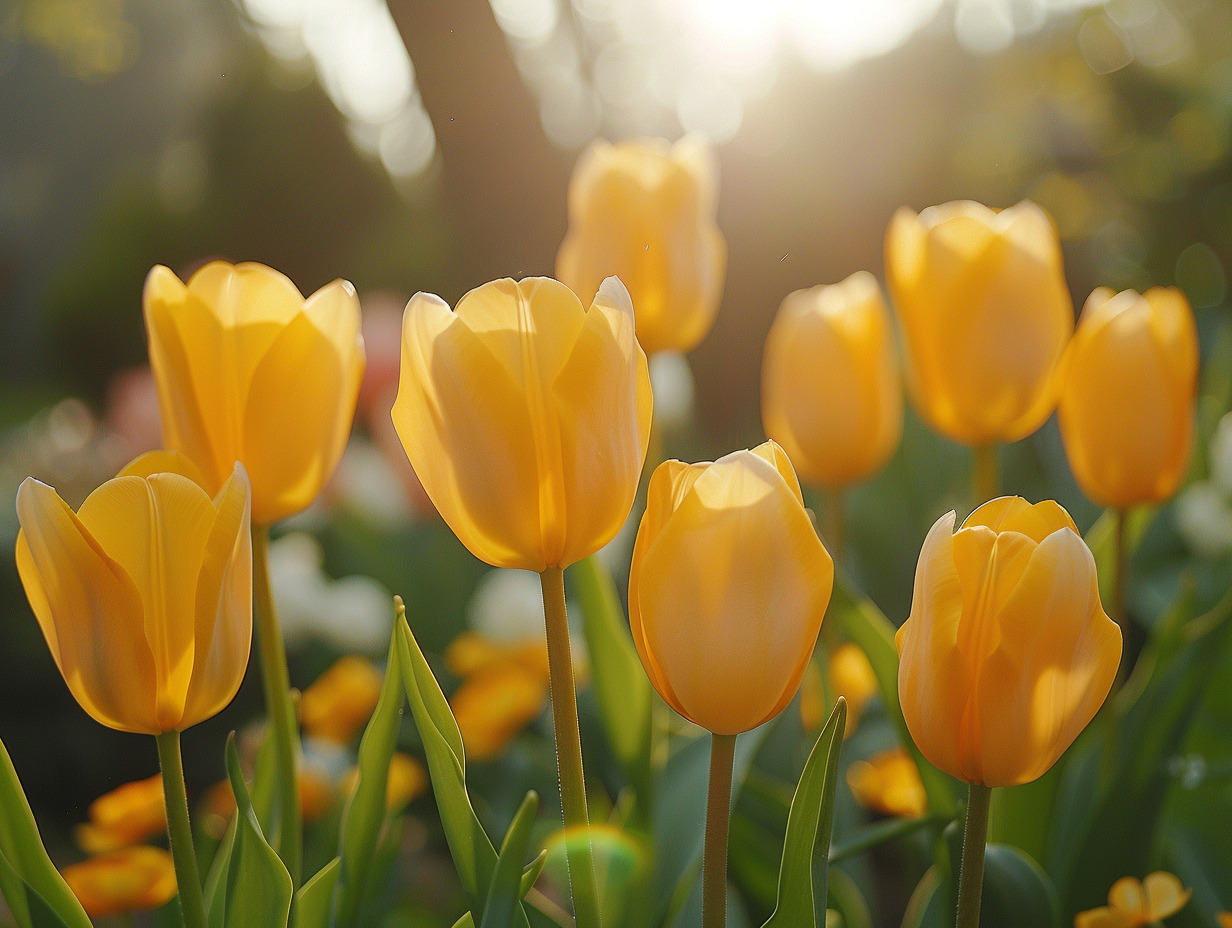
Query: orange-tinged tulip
x,y
1128,385
985,315
831,394
728,587
134,879
127,815
645,211
1007,653
889,782
852,677
406,780
145,594
496,703
1132,904
526,417
473,652
250,371
340,701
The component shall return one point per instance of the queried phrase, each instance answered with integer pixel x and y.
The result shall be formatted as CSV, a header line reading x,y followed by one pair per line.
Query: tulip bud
x,y
248,370
985,313
831,394
526,417
728,587
645,212
1007,654
145,594
1128,384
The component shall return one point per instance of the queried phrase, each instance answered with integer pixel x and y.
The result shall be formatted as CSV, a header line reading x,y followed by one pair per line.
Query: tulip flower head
x,y
889,782
1007,653
526,417
250,371
831,394
129,814
728,587
340,701
144,594
985,314
644,211
1128,385
133,879
1133,903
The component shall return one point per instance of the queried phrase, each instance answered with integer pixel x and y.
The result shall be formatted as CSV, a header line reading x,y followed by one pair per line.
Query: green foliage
x,y
313,901
259,890
29,881
506,887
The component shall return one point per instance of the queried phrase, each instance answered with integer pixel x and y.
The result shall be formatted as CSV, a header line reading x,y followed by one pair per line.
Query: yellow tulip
x,y
526,417
985,315
145,594
341,700
889,782
134,879
645,212
831,394
1133,904
1007,653
127,815
728,587
248,370
1128,384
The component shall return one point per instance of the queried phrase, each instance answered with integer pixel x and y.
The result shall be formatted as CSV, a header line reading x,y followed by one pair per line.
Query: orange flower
x,y
127,815
852,677
134,879
493,705
340,702
1132,904
407,780
888,782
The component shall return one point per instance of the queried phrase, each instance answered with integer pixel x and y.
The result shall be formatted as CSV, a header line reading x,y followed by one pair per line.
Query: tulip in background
x,y
1006,656
985,314
129,814
526,416
727,590
644,211
160,574
1134,903
132,879
1127,387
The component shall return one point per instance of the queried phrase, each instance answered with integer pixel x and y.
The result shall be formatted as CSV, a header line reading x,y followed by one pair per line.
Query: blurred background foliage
x,y
427,145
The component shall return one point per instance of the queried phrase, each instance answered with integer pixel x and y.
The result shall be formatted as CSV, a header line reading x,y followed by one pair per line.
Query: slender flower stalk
x,y
569,750
277,686
718,815
187,875
987,477
975,837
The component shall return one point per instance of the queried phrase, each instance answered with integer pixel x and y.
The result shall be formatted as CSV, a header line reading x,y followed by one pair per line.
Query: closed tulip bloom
x,y
728,587
526,417
144,595
985,313
127,815
248,370
645,211
1007,653
831,394
134,879
1128,385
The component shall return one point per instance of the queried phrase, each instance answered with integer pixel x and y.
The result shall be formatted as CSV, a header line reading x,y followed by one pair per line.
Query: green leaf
x,y
879,833
846,899
621,686
466,921
26,859
866,625
474,857
505,889
365,811
313,900
28,907
259,887
1017,894
808,830
216,880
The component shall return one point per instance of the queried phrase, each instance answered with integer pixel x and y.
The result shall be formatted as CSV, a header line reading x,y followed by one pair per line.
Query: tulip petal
x,y
164,462
603,408
156,528
223,605
290,449
1056,659
464,423
1165,894
89,609
246,294
1128,895
771,451
1105,917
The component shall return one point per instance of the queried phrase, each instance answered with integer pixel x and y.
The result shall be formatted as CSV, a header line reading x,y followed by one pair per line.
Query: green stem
x,y
1121,571
987,477
184,855
278,704
835,523
569,751
718,814
975,837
